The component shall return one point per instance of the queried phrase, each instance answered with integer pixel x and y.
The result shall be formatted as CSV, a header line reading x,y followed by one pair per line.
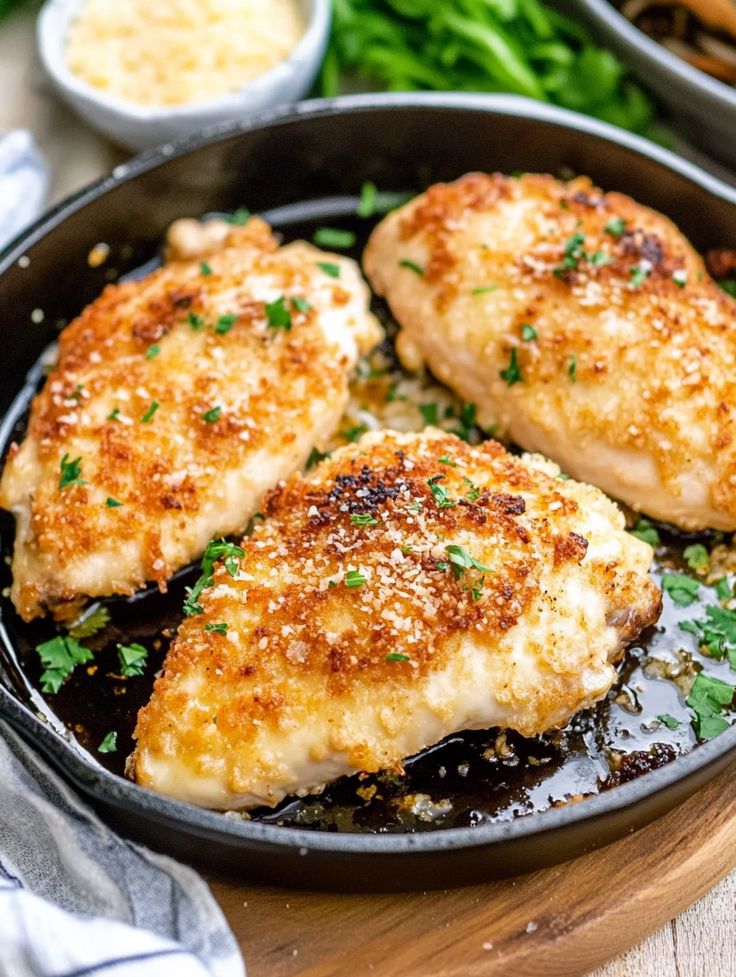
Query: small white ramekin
x,y
138,127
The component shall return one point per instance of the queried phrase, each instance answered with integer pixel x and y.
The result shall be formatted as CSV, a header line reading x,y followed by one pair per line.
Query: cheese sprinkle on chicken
x,y
411,586
582,325
175,403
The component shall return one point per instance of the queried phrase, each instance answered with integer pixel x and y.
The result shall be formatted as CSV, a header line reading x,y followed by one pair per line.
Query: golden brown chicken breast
x,y
410,587
175,402
582,325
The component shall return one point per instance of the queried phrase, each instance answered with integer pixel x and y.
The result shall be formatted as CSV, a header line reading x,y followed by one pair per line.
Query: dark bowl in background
x,y
324,151
702,108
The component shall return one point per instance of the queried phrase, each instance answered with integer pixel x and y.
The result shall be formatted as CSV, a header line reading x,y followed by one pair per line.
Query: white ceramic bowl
x,y
138,127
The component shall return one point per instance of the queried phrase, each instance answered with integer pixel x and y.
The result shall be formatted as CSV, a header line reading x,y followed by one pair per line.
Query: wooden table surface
x,y
700,941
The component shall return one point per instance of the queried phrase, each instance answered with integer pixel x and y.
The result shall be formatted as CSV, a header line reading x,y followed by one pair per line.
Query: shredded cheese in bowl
x,y
178,52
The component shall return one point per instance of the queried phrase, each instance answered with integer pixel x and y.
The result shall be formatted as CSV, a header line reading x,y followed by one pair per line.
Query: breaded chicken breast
x,y
175,403
410,587
582,325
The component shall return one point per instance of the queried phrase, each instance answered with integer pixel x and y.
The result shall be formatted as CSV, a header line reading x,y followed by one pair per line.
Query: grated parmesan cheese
x,y
175,52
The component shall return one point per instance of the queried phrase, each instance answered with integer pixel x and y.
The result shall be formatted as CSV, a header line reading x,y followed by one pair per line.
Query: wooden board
x,y
561,922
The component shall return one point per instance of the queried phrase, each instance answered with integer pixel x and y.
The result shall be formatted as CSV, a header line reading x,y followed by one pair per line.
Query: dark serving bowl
x,y
323,151
703,107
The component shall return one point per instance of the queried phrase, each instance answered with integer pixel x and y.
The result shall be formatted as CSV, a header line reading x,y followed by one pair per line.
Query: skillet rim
x,y
95,781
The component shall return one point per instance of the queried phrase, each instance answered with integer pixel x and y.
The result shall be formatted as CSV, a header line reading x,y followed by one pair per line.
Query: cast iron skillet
x,y
317,150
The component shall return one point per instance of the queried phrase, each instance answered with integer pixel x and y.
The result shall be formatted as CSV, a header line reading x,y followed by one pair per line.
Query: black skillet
x,y
312,161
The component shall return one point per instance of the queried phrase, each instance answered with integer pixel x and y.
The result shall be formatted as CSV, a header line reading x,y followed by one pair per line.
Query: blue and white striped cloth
x,y
78,901
23,183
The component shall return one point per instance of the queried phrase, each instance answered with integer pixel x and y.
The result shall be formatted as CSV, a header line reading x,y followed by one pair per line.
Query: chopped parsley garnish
x,y
59,657
92,621
483,289
723,589
599,259
474,491
708,698
461,561
391,393
397,656
354,578
669,721
329,268
153,351
70,472
277,314
300,305
446,460
716,633
367,203
216,549
646,532
683,590
440,493
114,414
219,628
353,433
616,227
132,659
476,590
572,369
333,237
112,503
363,519
696,556
109,743
315,456
240,217
638,275
196,321
467,421
225,323
148,416
205,268
428,412
679,277
573,252
512,373
412,266
210,416
528,333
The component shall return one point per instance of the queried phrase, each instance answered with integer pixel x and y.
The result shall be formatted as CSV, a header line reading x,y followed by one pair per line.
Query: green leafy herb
x,y
639,275
440,493
333,237
716,633
446,460
109,743
645,531
696,556
153,351
225,323
669,721
196,321
616,227
708,698
93,620
573,251
512,373
461,560
683,590
219,628
679,277
729,286
367,202
474,492
476,590
397,656
483,289
70,472
278,315
412,266
353,433
212,415
572,369
216,549
467,419
363,519
240,217
300,305
133,659
353,578
148,416
59,657
112,503
114,414
329,268
315,456
528,333
205,268
723,589
599,258
428,412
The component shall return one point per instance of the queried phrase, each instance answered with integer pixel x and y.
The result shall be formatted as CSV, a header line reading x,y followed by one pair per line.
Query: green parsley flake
x,y
446,460
210,416
216,549
646,532
708,698
669,721
723,589
352,434
440,493
683,590
148,416
363,519
109,743
315,456
333,237
240,217
353,578
367,203
397,656
225,323
573,251
467,419
512,373
196,321
428,412
474,492
133,659
114,414
572,369
329,268
219,628
205,268
715,634
679,277
59,657
483,289
412,266
153,351
70,472
528,333
112,503
300,305
461,561
639,275
277,314
599,259
476,591
93,620
696,556
616,227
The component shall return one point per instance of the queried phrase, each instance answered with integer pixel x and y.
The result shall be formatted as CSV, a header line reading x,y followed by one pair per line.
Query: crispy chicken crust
x,y
177,400
582,324
410,587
